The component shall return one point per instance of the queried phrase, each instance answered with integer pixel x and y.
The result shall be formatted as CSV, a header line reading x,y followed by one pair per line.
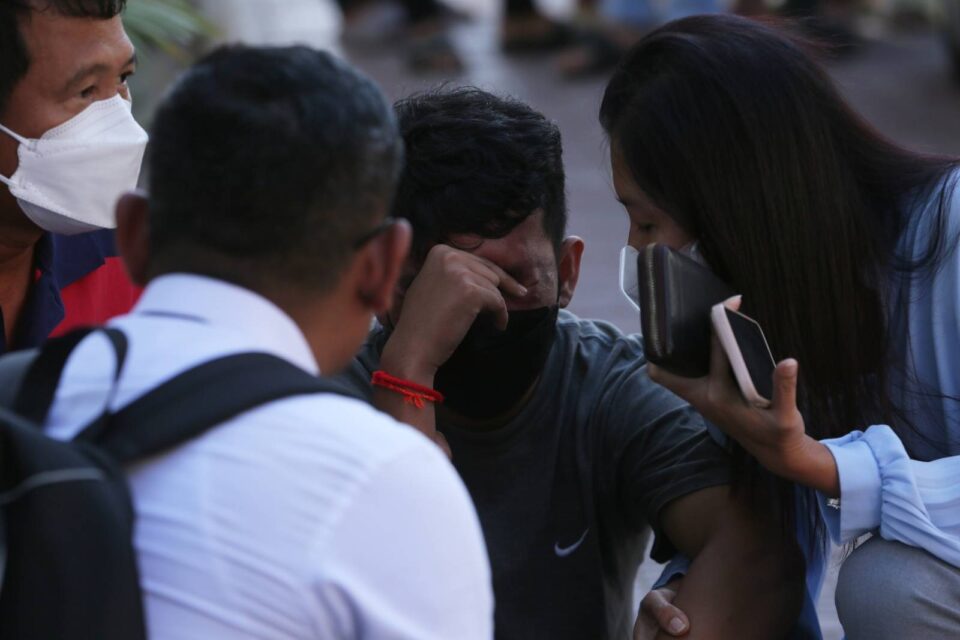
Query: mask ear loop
x,y
16,136
5,180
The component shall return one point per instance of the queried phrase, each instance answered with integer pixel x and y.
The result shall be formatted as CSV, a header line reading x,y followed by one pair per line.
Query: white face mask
x,y
69,179
629,280
692,251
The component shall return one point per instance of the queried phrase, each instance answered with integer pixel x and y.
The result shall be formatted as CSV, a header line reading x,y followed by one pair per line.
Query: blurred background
x,y
897,61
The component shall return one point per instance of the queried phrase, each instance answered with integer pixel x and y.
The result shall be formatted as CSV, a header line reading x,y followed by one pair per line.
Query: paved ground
x,y
901,84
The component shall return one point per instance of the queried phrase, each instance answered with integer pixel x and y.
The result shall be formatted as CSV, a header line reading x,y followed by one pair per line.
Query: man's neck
x,y
18,240
18,234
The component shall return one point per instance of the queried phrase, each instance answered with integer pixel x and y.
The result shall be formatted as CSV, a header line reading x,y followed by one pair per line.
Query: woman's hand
x,y
774,436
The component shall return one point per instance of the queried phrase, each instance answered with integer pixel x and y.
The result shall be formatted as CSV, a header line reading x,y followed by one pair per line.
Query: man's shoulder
x,y
72,257
599,341
94,285
600,364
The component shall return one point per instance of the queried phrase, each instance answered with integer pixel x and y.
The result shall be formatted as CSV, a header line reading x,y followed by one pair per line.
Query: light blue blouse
x,y
883,490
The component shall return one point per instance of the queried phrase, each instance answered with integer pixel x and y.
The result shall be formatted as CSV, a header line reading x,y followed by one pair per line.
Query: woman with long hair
x,y
726,132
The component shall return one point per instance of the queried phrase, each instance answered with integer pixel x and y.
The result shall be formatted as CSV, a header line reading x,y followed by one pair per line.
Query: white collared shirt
x,y
309,517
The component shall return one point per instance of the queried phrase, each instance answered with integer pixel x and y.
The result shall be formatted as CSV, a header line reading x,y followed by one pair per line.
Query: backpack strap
x,y
200,398
38,384
13,366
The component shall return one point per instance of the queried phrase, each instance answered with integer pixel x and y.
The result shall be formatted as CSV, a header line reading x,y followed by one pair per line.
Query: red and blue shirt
x,y
78,281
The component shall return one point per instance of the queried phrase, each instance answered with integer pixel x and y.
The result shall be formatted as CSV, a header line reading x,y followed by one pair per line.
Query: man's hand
x,y
657,613
776,437
452,288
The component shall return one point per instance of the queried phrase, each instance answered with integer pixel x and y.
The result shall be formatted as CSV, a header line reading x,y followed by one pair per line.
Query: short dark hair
x,y
13,50
266,165
477,163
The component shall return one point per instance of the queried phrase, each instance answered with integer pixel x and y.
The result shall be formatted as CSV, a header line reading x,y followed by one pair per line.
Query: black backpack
x,y
67,565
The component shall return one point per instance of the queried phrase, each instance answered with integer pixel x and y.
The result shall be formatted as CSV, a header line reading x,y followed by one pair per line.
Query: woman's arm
x,y
916,503
776,436
879,486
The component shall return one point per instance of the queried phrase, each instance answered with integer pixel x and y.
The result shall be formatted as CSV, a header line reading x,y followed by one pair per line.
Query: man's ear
x,y
384,258
568,268
133,235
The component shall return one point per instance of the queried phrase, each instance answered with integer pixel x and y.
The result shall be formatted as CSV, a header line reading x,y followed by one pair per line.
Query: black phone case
x,y
676,294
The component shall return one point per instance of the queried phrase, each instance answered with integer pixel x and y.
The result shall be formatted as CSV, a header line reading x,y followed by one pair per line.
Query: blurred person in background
x,y
599,46
421,29
313,516
314,23
69,147
570,452
621,24
418,28
725,132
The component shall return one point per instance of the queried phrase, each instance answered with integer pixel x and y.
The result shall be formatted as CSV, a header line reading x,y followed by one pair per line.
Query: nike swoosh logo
x,y
563,552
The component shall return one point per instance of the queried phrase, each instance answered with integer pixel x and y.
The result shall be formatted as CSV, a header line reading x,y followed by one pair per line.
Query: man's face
x,y
526,253
74,62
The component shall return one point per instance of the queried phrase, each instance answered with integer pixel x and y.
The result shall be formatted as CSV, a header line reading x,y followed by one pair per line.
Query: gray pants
x,y
889,590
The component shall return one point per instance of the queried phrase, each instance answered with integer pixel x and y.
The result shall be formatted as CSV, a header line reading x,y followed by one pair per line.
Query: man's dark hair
x,y
477,163
13,50
267,165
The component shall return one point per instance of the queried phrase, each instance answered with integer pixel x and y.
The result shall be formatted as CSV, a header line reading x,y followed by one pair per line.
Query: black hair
x,y
13,50
266,165
730,126
477,163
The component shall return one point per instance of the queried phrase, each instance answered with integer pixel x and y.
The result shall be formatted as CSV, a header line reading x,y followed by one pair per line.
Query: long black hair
x,y
731,127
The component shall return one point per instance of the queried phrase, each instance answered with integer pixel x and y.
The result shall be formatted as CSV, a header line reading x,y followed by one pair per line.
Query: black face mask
x,y
491,370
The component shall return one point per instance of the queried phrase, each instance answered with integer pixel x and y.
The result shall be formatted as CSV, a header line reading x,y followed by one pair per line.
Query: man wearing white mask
x,y
69,147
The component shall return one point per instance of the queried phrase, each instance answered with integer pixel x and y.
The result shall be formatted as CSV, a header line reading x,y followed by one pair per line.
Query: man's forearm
x,y
746,581
422,418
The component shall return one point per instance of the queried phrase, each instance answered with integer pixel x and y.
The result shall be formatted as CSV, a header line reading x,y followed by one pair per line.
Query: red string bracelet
x,y
412,392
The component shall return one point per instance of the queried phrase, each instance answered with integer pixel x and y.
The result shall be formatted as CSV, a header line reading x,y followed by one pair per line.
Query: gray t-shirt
x,y
567,490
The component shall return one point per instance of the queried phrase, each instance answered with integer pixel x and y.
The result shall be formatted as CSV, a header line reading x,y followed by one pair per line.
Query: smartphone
x,y
676,295
748,353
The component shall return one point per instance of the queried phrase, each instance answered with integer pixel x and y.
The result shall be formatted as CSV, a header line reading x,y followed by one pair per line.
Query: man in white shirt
x,y
308,517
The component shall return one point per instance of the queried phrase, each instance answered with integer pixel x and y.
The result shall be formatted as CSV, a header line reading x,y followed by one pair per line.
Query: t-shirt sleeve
x,y
356,375
407,559
659,446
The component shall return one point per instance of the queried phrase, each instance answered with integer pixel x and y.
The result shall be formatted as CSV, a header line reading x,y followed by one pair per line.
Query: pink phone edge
x,y
718,318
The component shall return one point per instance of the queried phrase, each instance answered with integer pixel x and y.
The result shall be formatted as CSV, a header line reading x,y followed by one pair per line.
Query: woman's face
x,y
648,223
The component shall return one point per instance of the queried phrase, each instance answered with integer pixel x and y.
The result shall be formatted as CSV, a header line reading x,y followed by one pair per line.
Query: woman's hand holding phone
x,y
775,436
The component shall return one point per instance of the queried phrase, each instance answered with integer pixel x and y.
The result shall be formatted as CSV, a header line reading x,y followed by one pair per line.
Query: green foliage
x,y
171,26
